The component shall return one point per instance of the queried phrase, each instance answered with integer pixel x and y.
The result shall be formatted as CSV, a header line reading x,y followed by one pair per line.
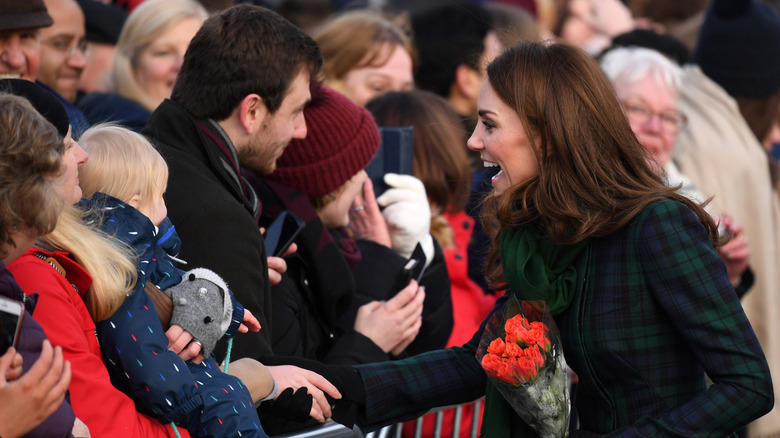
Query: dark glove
x,y
287,413
344,377
353,393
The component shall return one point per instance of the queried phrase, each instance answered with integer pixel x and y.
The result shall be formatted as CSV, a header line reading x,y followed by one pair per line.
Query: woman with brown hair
x,y
34,377
366,55
627,268
440,161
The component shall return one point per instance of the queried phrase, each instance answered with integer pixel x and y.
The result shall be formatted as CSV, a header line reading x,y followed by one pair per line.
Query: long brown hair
x,y
593,174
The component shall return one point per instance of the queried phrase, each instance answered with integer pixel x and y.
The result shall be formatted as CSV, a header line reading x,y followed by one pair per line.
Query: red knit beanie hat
x,y
342,138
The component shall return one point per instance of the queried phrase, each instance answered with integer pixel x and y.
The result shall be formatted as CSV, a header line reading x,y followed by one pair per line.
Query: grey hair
x,y
629,65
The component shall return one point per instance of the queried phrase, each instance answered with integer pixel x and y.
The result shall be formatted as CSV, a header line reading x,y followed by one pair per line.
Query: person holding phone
x,y
627,267
337,303
34,377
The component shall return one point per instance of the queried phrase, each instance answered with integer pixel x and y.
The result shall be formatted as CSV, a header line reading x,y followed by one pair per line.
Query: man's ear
x,y
251,113
468,82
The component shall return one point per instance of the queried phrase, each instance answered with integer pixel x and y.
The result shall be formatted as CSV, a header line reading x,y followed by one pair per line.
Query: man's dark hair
x,y
447,36
243,50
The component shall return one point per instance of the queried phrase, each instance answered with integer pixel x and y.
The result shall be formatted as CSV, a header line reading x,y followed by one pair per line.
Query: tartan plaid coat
x,y
653,313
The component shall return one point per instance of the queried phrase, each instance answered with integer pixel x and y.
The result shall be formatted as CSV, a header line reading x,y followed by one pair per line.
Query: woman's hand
x,y
181,342
393,325
28,400
736,253
365,218
289,376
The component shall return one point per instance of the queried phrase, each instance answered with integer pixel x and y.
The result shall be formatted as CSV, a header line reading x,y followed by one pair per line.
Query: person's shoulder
x,y
669,218
665,207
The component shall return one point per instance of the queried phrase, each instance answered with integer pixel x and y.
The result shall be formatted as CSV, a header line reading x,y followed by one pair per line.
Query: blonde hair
x,y
352,36
122,163
144,25
111,263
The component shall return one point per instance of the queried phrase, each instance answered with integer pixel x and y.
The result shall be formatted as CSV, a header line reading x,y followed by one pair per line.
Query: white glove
x,y
408,215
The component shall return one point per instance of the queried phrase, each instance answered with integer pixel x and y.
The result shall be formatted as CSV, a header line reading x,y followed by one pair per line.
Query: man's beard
x,y
263,163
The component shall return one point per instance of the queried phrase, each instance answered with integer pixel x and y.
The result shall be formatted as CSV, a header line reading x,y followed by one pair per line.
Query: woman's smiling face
x,y
501,140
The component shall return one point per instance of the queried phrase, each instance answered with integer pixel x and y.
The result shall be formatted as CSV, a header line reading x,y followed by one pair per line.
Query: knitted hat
x,y
23,14
342,138
43,101
103,21
739,47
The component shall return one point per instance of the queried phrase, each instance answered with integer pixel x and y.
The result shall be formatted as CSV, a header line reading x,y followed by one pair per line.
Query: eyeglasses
x,y
672,122
68,46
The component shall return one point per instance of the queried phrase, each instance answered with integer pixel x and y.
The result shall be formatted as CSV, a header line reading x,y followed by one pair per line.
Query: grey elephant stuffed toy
x,y
202,306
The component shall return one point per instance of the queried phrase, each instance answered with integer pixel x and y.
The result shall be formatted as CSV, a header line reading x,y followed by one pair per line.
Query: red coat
x,y
470,306
64,317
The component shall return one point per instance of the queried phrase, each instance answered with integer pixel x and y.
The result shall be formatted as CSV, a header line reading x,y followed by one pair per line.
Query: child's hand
x,y
250,323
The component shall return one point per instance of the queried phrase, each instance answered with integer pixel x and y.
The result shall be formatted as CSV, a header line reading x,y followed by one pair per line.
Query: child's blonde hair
x,y
109,262
121,163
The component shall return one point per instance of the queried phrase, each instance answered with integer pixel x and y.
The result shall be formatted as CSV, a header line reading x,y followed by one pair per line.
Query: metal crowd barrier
x,y
334,430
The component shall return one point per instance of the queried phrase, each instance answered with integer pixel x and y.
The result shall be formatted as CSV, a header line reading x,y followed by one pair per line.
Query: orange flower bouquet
x,y
521,352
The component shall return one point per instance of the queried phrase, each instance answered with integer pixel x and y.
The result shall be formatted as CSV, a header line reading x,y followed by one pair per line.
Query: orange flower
x,y
524,368
511,349
540,325
506,373
535,337
535,355
515,328
491,363
496,347
516,322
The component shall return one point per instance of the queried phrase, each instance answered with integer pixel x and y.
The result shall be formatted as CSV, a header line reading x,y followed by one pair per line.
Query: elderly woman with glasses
x,y
647,85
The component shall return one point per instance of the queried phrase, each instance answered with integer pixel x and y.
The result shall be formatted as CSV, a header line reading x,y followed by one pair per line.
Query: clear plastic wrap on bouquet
x,y
522,355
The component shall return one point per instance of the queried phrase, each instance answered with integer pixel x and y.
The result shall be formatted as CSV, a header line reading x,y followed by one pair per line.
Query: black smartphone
x,y
394,156
281,233
11,313
413,269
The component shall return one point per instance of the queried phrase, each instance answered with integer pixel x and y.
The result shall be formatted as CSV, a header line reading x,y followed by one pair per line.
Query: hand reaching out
x,y
289,376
